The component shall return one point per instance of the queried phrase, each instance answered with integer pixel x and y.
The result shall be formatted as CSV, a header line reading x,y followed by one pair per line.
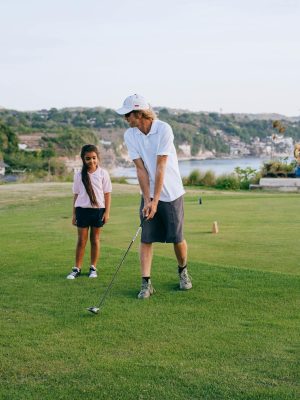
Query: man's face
x,y
133,119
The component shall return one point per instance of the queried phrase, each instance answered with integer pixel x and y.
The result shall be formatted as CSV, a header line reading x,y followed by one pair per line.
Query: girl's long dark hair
x,y
84,173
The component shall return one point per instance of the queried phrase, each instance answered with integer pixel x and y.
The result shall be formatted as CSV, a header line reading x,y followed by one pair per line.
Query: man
x,y
150,145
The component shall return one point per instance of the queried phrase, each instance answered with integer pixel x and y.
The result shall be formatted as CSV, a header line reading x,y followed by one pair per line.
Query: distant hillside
x,y
241,116
267,117
51,134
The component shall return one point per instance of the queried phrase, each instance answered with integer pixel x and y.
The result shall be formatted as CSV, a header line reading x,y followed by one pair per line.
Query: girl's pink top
x,y
101,184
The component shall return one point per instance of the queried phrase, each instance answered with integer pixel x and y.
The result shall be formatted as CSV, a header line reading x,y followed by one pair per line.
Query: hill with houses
x,y
50,140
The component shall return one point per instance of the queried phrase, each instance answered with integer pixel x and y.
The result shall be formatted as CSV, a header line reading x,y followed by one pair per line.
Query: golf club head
x,y
94,310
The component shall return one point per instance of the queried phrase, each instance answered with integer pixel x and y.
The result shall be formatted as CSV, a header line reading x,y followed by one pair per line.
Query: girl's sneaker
x,y
74,274
93,272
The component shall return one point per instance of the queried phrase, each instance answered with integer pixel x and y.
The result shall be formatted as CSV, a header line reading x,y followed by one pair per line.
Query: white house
x,y
2,168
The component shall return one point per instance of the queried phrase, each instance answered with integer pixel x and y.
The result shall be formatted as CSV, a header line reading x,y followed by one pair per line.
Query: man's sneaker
x,y
74,274
185,282
93,272
147,289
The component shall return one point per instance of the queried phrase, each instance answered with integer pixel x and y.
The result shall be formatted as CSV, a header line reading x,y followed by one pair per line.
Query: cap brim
x,y
123,110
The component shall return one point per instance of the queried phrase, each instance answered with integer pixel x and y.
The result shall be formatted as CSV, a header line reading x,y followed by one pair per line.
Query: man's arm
x,y
150,206
161,163
143,179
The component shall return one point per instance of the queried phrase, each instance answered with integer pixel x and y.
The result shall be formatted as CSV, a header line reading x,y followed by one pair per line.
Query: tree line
x,y
64,131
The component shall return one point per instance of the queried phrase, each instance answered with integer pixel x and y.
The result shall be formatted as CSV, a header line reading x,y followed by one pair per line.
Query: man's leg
x,y
181,253
146,263
146,259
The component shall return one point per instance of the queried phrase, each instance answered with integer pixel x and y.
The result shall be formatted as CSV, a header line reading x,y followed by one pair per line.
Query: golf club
x,y
94,309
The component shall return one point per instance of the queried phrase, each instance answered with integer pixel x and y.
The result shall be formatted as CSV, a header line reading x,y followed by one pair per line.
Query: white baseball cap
x,y
134,102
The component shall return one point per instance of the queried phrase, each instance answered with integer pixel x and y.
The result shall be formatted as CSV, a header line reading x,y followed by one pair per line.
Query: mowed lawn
x,y
235,335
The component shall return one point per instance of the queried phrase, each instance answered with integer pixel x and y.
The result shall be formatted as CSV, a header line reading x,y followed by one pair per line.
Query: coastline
x,y
195,158
187,164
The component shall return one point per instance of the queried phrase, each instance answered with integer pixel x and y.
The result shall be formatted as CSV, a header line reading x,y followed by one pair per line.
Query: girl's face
x,y
91,161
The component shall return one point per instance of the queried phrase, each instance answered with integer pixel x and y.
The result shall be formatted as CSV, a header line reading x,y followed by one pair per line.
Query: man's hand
x,y
150,209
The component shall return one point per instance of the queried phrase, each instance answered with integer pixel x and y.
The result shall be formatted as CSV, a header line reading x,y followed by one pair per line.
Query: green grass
x,y
234,336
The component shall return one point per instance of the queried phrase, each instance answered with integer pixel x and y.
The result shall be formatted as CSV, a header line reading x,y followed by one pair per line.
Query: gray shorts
x,y
167,224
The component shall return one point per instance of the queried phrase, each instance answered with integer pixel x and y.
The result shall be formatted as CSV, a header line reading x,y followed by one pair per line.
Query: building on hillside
x,y
110,122
43,113
73,164
30,142
105,142
3,166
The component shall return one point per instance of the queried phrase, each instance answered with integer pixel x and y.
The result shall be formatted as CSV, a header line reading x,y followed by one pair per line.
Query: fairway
x,y
235,335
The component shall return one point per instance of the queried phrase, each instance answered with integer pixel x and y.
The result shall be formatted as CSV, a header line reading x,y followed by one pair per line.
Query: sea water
x,y
218,166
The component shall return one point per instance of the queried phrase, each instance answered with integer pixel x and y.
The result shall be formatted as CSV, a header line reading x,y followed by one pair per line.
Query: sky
x,y
226,56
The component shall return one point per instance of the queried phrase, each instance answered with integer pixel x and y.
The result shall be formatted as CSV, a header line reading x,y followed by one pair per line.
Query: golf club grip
x,y
144,219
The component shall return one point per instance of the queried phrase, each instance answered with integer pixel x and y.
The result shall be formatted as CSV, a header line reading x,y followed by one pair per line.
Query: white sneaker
x,y
74,274
147,289
185,282
93,272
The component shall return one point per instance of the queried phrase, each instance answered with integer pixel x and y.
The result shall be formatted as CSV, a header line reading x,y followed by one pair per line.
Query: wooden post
x,y
215,228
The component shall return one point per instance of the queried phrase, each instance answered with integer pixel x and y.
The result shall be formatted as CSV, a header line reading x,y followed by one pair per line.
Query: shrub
x,y
278,168
228,182
256,177
245,176
194,178
209,179
121,179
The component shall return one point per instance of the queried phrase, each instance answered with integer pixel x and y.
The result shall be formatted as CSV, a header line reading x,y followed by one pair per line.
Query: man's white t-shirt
x,y
159,141
101,183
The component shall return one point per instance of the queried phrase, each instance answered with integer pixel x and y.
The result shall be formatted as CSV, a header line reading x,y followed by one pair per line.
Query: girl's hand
x,y
105,218
74,220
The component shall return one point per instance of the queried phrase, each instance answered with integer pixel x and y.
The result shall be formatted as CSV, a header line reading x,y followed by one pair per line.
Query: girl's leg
x,y
81,243
95,245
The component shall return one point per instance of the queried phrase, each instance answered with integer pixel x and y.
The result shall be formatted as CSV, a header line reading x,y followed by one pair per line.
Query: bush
x,y
209,179
228,182
256,177
121,179
194,178
278,169
246,176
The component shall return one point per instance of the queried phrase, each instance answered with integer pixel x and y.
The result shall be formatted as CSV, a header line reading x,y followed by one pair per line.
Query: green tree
x,y
8,140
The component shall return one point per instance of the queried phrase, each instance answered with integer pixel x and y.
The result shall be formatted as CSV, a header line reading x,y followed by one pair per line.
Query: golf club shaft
x,y
120,264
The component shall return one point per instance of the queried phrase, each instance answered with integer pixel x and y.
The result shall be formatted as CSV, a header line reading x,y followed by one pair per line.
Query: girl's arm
x,y
107,199
74,215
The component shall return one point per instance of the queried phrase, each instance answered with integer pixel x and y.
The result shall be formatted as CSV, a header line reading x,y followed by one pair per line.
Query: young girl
x,y
91,207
